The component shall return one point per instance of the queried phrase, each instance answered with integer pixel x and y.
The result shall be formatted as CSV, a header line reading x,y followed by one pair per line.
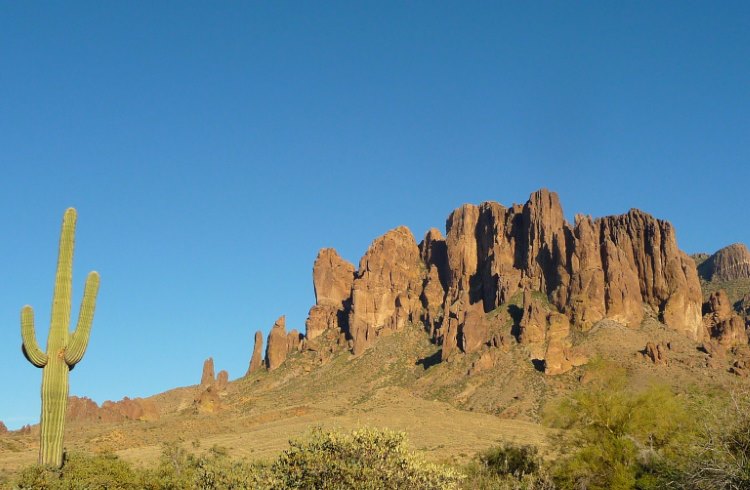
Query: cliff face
x,y
728,264
616,267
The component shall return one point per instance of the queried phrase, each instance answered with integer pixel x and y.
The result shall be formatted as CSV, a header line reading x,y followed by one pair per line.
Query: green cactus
x,y
64,349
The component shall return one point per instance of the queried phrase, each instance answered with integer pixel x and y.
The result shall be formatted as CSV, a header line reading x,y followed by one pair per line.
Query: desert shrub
x,y
80,472
363,459
507,467
626,438
178,469
510,460
720,457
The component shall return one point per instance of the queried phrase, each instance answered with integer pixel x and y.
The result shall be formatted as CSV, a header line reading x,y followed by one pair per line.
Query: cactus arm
x,y
58,334
80,338
30,348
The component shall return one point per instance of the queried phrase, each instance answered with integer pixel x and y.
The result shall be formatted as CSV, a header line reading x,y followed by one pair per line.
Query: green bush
x,y
507,467
510,460
81,472
366,459
626,438
720,458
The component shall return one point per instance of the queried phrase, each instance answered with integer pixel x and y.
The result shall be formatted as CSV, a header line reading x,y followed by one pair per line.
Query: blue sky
x,y
212,148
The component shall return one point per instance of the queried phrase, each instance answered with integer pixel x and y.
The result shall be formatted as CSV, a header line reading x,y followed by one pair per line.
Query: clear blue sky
x,y
212,148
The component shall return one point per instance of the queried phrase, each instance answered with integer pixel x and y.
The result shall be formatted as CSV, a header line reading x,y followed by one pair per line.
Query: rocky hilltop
x,y
566,277
728,264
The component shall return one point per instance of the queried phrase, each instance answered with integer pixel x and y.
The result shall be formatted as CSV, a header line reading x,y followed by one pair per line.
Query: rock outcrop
x,y
560,356
617,267
722,322
3,428
207,377
256,361
387,288
276,347
83,409
332,279
222,380
656,352
728,264
533,325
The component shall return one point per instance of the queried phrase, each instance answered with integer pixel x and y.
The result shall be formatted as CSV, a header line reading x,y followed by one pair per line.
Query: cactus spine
x,y
64,350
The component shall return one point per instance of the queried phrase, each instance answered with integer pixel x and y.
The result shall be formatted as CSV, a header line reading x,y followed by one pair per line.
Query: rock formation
x,y
722,322
744,305
332,279
3,428
657,352
276,347
728,264
208,401
222,380
616,267
533,325
82,409
207,377
560,356
256,361
387,288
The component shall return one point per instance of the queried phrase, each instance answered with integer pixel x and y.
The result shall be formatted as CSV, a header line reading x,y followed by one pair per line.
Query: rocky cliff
x,y
728,264
619,268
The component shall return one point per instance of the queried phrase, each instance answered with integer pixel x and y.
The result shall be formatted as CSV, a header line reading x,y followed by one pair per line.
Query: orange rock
x,y
276,346
728,264
256,362
391,270
207,377
332,279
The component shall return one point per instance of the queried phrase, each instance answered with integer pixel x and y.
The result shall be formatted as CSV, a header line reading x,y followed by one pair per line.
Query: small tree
x,y
623,433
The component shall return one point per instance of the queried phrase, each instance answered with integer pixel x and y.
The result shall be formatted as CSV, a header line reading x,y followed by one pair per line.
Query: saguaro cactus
x,y
64,349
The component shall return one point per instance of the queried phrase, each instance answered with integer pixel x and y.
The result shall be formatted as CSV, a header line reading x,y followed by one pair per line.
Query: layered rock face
x,y
605,268
387,288
617,267
332,278
728,264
